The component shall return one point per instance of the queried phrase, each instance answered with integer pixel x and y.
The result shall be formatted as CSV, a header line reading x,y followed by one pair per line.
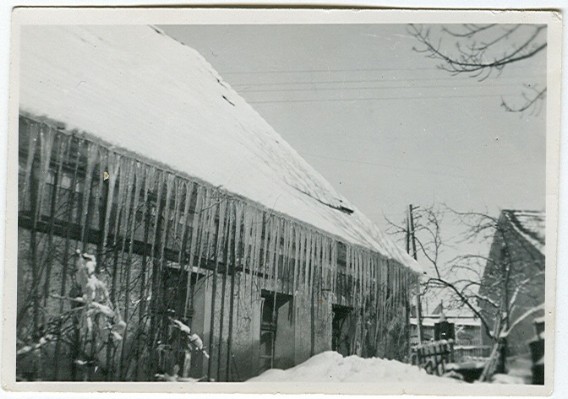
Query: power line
x,y
446,79
371,99
280,71
385,165
376,88
329,70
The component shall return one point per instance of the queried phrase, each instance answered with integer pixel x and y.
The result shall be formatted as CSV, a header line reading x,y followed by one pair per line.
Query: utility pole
x,y
411,239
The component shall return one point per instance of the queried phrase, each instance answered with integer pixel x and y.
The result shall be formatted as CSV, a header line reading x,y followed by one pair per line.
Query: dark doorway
x,y
340,341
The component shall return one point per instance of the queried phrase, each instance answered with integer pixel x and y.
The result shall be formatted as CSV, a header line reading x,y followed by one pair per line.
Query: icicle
x,y
313,266
102,155
126,180
171,186
361,265
267,221
246,249
194,243
184,194
283,243
355,276
360,277
301,263
346,278
319,272
271,250
330,267
283,269
211,234
156,184
271,237
45,153
179,191
195,227
378,304
398,292
252,251
363,276
369,273
220,233
356,261
324,263
393,288
239,210
253,242
328,276
185,240
313,263
276,256
290,257
401,286
258,247
334,268
92,158
306,279
128,172
383,297
112,174
138,176
296,260
364,259
244,242
147,176
204,213
281,256
33,131
120,178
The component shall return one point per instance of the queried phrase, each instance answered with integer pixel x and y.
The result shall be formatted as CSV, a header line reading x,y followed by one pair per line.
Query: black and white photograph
x,y
283,198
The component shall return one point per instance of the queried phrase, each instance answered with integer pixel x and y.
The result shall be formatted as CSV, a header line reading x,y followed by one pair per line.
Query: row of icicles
x,y
205,224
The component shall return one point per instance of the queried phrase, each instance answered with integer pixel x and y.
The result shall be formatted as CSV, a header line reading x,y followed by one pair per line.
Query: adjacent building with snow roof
x,y
132,148
513,279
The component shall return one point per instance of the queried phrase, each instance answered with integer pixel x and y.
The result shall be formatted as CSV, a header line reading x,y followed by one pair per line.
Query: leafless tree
x,y
489,287
483,51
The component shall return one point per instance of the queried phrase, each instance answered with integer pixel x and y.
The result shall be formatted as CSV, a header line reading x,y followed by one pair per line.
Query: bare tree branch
x,y
476,52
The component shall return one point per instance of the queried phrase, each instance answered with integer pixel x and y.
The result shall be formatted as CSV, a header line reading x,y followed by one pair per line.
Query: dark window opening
x,y
270,306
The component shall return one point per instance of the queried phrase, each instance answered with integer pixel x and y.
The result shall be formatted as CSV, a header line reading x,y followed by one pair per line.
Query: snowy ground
x,y
332,367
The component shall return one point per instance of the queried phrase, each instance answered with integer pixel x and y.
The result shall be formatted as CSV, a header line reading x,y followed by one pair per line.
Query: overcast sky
x,y
380,121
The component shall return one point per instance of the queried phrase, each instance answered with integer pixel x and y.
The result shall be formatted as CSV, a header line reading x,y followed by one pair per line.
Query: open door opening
x,y
340,340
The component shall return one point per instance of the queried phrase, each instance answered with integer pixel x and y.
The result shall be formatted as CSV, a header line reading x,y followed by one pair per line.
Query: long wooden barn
x,y
194,215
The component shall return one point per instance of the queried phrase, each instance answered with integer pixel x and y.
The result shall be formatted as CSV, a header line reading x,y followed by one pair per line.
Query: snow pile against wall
x,y
331,367
135,88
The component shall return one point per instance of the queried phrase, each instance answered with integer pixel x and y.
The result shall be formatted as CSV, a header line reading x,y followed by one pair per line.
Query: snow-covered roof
x,y
138,89
530,225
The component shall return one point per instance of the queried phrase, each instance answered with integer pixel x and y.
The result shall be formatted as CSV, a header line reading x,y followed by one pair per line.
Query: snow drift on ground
x,y
138,89
332,367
